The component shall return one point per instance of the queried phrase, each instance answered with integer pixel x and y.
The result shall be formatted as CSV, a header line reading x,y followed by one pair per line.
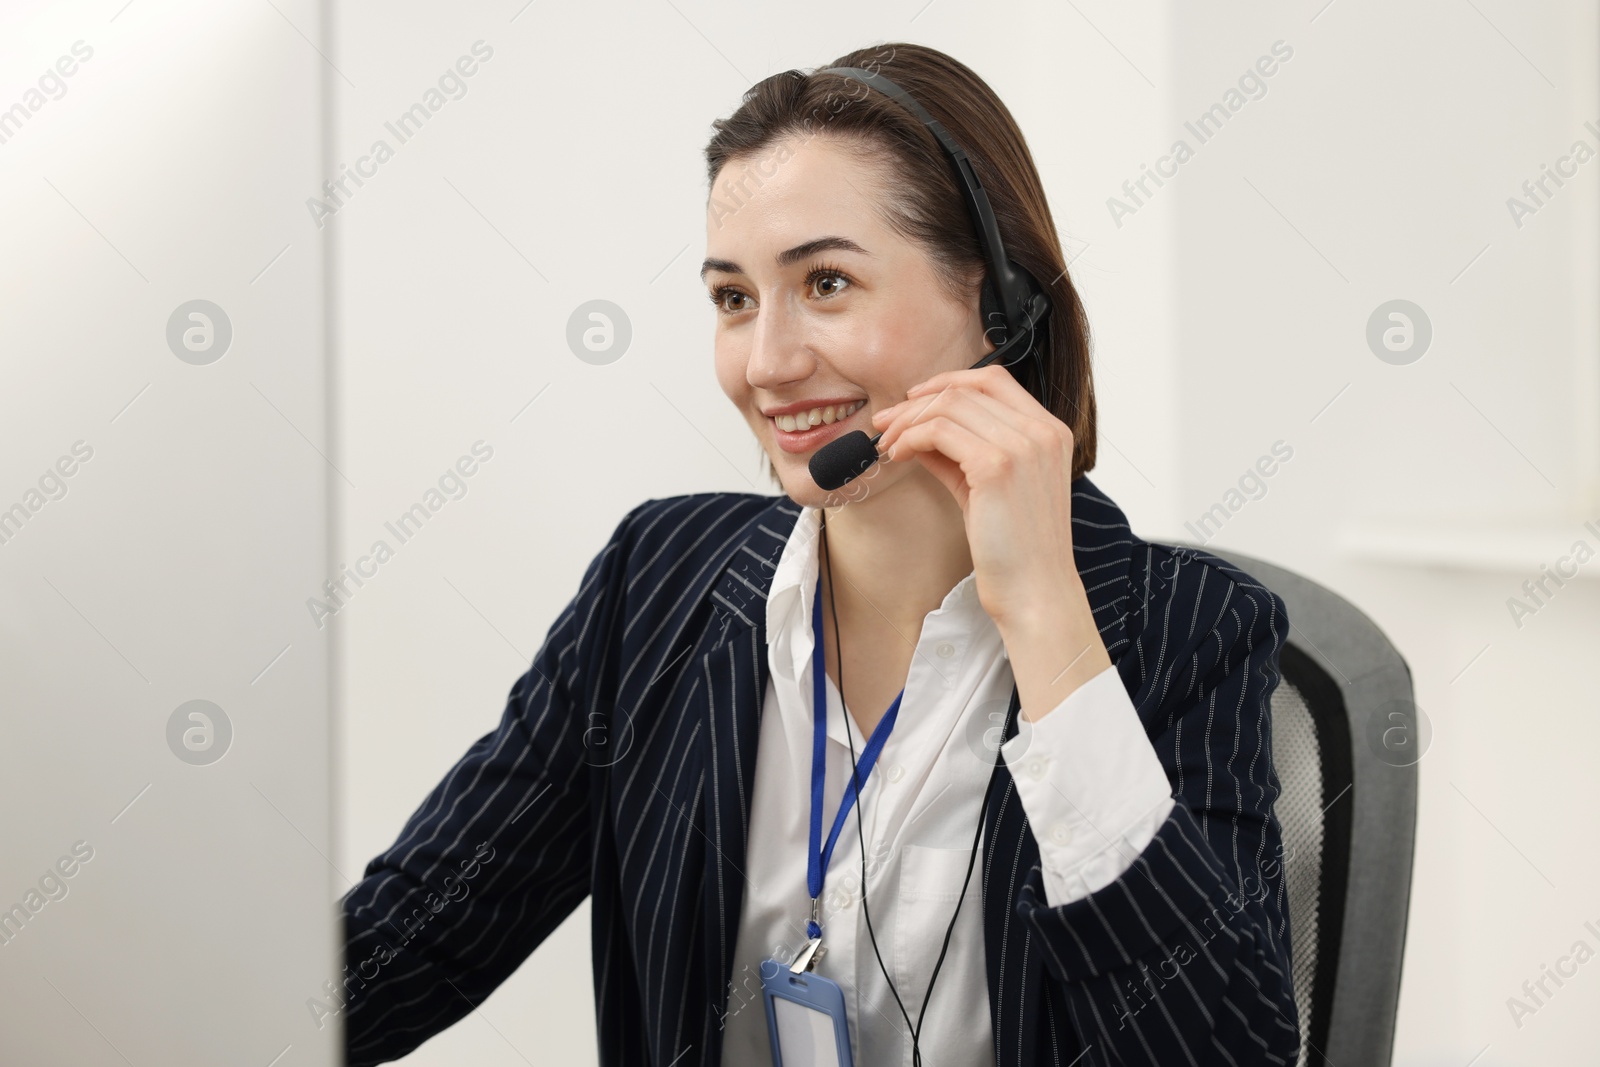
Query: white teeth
x,y
803,420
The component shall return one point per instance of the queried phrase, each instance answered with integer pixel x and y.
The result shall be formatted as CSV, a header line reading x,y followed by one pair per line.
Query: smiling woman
x,y
1032,685
822,147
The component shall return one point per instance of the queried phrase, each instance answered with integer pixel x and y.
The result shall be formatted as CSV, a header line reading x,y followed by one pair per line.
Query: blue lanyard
x,y
817,863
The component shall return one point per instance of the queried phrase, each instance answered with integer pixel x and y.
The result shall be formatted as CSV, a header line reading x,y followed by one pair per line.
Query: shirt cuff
x,y
1092,787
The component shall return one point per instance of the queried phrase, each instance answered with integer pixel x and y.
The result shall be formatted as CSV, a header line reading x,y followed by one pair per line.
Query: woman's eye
x,y
827,277
720,297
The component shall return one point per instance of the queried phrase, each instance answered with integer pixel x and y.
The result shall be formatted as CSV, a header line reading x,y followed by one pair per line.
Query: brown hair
x,y
922,199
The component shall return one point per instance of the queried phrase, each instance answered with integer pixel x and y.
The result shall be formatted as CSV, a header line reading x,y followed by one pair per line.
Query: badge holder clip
x,y
806,1018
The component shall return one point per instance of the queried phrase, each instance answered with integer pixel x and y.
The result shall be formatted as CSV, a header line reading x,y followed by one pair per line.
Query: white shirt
x,y
1088,779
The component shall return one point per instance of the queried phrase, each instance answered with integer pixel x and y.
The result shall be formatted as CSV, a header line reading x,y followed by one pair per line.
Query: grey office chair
x,y
1346,739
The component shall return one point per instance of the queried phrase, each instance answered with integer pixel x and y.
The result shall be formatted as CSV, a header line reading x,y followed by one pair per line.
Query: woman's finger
x,y
983,415
976,457
994,380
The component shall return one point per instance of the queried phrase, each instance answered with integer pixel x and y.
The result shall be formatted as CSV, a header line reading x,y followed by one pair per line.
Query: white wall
x,y
169,166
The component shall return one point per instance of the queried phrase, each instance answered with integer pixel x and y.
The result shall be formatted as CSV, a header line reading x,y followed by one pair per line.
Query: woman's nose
x,y
779,349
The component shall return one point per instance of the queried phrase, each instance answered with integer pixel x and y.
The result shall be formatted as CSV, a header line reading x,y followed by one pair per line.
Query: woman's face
x,y
819,304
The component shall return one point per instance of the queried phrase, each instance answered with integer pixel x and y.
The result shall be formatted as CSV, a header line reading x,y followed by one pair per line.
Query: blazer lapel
x,y
1101,545
732,659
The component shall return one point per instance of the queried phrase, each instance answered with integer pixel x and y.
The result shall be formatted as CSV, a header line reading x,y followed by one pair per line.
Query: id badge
x,y
805,1018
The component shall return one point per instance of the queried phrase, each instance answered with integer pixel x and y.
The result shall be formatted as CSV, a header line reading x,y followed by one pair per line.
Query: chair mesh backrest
x,y
1341,680
1310,751
1298,758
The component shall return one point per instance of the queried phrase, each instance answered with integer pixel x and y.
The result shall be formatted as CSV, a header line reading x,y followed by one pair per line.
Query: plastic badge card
x,y
805,1018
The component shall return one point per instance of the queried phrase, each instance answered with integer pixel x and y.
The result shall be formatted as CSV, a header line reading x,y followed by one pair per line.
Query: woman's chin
x,y
799,486
803,490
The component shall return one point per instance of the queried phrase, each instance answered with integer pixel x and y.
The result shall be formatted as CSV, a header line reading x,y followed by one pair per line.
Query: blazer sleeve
x,y
1184,958
496,856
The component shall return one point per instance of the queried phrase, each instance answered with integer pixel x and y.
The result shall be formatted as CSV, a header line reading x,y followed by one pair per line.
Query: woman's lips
x,y
815,436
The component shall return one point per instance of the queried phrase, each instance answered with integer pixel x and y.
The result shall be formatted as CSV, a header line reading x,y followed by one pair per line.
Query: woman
x,y
1096,705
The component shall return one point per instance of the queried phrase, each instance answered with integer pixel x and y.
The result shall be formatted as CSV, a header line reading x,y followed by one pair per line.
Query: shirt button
x,y
945,650
1034,767
1060,833
896,772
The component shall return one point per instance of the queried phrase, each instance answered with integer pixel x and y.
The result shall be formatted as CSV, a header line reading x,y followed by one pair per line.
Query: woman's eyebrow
x,y
789,256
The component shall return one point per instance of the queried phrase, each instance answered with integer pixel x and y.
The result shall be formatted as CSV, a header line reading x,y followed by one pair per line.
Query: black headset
x,y
1013,305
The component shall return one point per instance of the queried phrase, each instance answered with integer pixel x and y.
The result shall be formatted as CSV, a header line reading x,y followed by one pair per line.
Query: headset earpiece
x,y
992,313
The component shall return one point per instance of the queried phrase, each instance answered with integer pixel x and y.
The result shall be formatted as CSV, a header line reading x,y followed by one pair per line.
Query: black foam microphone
x,y
844,459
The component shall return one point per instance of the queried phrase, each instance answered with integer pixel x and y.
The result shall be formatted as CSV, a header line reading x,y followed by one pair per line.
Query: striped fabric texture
x,y
621,770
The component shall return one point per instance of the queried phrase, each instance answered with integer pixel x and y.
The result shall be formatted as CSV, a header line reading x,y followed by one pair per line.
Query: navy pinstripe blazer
x,y
622,768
